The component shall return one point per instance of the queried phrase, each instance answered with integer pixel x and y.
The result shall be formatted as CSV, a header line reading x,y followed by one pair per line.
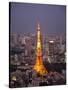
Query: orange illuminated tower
x,y
39,67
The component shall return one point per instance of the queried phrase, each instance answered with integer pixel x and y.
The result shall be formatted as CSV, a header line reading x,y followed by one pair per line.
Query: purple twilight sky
x,y
24,17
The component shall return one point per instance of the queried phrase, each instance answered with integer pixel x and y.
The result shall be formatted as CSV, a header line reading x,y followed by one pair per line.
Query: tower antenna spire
x,y
38,27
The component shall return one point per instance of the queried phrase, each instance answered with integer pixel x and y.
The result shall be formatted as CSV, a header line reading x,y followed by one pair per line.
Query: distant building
x,y
51,48
28,45
13,39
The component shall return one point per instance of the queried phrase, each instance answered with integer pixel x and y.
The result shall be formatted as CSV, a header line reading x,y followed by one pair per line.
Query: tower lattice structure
x,y
39,66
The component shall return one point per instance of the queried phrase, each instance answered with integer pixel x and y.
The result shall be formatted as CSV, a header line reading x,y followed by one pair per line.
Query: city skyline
x,y
24,18
37,45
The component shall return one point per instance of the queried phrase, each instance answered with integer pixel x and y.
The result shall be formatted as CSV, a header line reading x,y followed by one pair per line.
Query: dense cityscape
x,y
23,56
37,48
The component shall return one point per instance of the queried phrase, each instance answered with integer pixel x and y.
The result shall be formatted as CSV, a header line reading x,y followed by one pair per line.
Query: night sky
x,y
24,17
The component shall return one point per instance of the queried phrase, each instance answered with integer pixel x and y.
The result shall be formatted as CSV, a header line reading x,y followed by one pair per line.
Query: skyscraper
x,y
51,48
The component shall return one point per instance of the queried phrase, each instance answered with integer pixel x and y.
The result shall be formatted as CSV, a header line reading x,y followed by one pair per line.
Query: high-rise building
x,y
28,45
51,48
13,38
47,54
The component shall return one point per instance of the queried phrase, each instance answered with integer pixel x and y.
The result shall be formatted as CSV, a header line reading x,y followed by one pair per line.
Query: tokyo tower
x,y
39,67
